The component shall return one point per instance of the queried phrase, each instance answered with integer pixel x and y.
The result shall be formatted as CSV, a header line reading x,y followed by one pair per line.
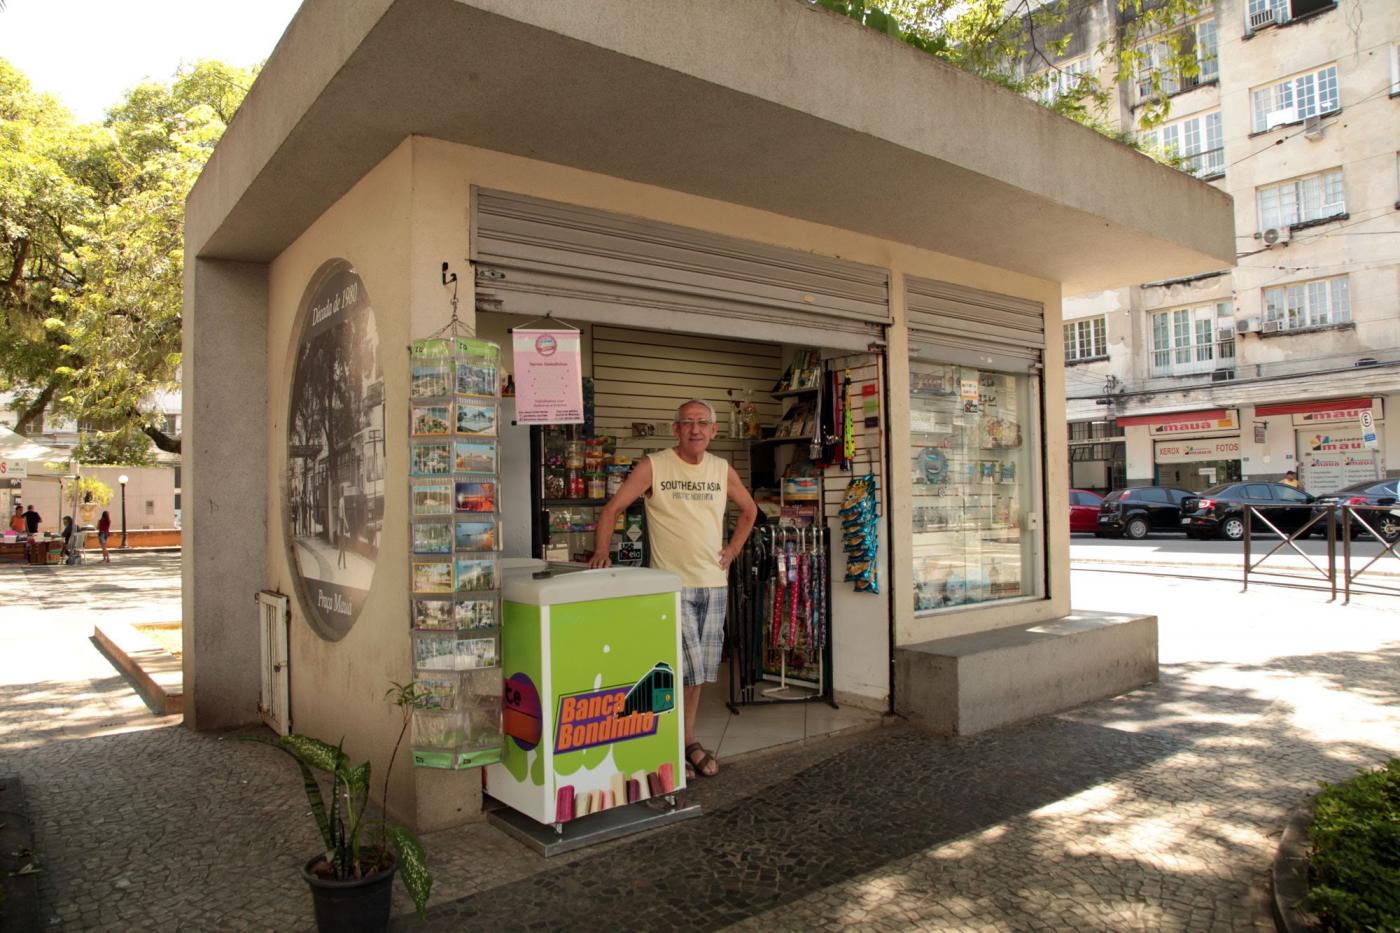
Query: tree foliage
x,y
1016,43
91,248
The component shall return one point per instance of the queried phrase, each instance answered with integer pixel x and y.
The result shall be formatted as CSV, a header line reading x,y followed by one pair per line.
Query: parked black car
x,y
1219,511
1136,510
1370,492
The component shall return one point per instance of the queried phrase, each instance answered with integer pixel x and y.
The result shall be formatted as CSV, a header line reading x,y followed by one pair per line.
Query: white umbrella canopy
x,y
18,447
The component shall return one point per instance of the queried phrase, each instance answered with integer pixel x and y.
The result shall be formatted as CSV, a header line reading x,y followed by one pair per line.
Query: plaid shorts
x,y
703,609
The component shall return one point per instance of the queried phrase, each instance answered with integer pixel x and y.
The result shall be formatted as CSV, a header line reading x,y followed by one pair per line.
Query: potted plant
x,y
351,881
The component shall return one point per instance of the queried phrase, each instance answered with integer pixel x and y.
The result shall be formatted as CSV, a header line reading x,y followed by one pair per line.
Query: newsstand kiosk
x,y
593,712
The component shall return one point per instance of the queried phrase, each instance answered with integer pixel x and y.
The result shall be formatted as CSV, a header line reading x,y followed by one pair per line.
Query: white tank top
x,y
685,517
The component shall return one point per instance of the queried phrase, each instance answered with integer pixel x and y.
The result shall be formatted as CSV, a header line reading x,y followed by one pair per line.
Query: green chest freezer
x,y
592,712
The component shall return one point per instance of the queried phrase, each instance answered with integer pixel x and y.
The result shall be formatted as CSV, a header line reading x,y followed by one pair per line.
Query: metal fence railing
x,y
1342,525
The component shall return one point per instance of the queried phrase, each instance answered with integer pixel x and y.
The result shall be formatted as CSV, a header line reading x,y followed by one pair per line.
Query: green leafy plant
x,y
88,490
1354,875
343,821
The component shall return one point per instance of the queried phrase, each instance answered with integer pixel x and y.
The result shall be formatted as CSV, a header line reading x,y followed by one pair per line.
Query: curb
x,y
158,673
1289,875
19,894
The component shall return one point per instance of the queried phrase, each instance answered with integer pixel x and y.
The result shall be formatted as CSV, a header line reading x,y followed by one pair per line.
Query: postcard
x,y
476,418
476,652
476,535
432,576
432,538
432,459
437,614
474,574
432,499
476,613
433,419
436,651
432,380
476,377
475,457
436,692
476,497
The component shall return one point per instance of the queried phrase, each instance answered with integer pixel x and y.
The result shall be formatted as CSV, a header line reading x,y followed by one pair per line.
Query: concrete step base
x,y
971,683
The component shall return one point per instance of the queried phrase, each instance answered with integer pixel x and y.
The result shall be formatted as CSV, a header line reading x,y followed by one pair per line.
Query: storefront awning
x,y
1174,417
1300,408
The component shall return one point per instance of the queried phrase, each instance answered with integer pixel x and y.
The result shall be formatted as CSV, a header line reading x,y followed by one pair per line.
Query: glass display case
x,y
971,485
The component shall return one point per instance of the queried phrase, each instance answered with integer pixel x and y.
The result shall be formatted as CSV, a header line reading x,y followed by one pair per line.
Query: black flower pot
x,y
360,905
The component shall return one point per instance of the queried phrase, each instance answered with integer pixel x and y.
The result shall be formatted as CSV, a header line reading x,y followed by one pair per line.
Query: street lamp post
x,y
123,479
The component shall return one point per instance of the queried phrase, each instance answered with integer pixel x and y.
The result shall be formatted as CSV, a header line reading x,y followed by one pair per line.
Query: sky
x,y
87,53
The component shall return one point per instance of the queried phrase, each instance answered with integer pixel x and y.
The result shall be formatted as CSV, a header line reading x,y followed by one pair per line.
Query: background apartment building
x,y
1264,369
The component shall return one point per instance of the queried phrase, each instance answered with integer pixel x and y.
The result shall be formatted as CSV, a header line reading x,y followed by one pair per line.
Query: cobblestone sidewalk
x,y
1156,810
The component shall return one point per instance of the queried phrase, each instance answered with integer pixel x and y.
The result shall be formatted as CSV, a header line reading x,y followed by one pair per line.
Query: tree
x,y
1015,44
93,220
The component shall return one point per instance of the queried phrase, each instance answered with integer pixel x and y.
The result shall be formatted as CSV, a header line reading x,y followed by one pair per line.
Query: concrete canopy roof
x,y
772,104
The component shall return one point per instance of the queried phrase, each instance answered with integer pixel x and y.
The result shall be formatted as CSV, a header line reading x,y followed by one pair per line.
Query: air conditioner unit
x,y
1261,18
1277,235
1225,333
1312,128
1247,325
1280,117
1272,327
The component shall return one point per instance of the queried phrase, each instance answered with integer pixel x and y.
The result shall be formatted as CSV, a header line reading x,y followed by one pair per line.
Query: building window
x,y
1395,69
1310,94
1086,340
974,480
1262,13
1065,79
1303,200
1093,430
1318,303
1199,43
1198,141
1191,341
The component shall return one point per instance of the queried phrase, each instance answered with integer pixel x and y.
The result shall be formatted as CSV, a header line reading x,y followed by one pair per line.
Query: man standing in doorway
x,y
687,489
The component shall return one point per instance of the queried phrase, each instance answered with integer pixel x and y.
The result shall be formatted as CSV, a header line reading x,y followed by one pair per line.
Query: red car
x,y
1084,511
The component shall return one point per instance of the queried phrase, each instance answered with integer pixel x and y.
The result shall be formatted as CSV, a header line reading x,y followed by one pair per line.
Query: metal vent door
x,y
535,257
274,697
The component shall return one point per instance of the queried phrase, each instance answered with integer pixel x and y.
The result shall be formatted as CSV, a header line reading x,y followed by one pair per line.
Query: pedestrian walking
x,y
104,531
342,531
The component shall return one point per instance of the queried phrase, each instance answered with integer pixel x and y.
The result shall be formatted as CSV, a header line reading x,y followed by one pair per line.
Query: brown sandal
x,y
699,767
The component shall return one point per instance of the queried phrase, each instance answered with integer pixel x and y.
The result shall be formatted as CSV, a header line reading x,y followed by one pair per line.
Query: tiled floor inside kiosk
x,y
727,735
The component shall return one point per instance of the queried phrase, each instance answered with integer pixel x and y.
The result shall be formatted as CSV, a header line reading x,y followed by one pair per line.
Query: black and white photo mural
x,y
335,451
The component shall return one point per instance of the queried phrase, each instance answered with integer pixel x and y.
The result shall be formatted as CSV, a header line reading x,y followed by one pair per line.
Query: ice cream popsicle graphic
x,y
667,775
618,789
564,804
643,785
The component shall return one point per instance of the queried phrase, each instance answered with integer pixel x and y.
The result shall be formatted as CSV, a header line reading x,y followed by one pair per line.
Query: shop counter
x,y
592,714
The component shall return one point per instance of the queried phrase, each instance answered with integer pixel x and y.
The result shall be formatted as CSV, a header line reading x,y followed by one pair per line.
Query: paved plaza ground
x,y
1159,809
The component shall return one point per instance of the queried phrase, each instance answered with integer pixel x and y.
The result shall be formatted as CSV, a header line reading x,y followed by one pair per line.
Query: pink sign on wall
x,y
548,376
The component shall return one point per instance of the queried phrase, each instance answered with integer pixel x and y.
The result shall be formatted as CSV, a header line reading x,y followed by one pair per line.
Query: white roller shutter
x,y
537,256
978,325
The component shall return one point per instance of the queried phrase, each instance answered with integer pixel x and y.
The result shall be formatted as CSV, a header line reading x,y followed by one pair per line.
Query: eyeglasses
x,y
695,423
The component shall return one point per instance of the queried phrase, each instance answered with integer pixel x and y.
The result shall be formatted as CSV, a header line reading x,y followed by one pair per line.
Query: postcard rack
x,y
455,539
